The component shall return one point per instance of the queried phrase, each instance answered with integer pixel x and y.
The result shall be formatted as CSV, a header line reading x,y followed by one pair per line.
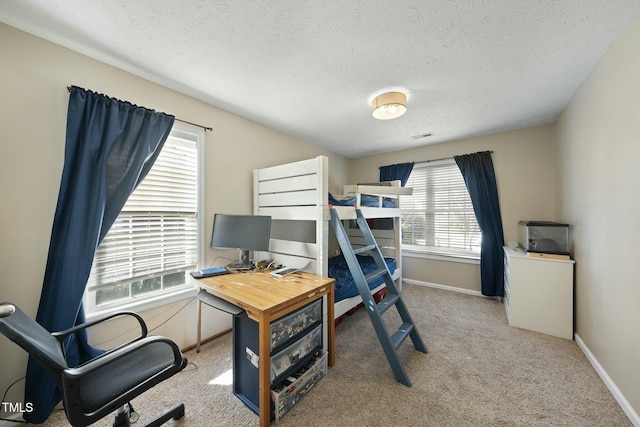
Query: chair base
x,y
123,416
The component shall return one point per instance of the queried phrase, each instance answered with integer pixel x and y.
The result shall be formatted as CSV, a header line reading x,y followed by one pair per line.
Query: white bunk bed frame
x,y
299,191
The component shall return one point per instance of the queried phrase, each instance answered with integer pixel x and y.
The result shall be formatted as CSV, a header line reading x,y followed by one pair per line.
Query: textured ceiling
x,y
309,68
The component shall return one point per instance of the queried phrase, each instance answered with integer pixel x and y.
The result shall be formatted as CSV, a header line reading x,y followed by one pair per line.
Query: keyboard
x,y
208,272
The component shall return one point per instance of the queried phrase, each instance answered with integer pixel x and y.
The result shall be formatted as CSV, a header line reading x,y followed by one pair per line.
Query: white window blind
x,y
154,241
438,217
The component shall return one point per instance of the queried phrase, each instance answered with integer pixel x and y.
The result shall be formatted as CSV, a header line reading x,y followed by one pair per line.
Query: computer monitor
x,y
242,232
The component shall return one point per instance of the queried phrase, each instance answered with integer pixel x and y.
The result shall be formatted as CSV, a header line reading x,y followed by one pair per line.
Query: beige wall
x,y
523,162
462,275
33,108
597,172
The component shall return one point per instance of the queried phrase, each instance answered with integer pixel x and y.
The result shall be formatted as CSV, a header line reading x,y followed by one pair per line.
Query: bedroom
x,y
574,169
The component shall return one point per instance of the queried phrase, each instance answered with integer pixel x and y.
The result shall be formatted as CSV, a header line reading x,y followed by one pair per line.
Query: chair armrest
x,y
115,354
62,335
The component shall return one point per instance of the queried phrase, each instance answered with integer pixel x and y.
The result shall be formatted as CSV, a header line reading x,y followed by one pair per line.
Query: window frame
x,y
434,252
167,297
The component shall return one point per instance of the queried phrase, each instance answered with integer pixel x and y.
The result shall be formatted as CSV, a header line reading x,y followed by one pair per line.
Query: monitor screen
x,y
243,232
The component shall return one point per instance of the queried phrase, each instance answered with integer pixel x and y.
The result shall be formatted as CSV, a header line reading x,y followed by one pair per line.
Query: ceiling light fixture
x,y
389,105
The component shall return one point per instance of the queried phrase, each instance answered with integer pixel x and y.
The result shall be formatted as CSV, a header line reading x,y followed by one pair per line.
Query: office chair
x,y
106,383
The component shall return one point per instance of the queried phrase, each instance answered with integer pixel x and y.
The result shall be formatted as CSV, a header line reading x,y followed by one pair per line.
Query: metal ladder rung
x,y
364,249
401,334
373,275
388,302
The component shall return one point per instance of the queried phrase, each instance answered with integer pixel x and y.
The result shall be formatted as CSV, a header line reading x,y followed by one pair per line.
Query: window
x,y
155,241
438,217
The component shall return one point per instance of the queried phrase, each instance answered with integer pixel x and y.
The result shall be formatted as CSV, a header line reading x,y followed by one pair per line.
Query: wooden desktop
x,y
265,299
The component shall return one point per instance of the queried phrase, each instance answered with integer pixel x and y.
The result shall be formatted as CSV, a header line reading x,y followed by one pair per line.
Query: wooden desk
x,y
265,299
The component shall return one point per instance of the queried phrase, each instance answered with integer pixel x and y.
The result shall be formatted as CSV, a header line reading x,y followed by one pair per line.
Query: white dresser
x,y
538,293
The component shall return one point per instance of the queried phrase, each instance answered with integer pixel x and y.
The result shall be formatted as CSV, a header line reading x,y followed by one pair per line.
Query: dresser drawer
x,y
287,327
287,393
292,354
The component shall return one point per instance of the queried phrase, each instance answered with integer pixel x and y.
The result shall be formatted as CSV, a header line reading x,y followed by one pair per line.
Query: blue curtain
x,y
110,147
400,171
480,179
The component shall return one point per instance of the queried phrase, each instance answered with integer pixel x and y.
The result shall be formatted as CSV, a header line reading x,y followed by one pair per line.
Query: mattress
x,y
345,286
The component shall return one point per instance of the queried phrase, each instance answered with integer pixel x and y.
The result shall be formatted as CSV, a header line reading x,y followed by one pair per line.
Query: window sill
x,y
146,304
441,256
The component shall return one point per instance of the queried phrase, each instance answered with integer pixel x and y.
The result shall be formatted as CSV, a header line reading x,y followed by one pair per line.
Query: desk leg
x,y
331,328
199,329
264,371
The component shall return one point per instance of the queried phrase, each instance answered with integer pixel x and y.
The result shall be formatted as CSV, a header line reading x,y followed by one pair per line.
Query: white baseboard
x,y
443,287
615,391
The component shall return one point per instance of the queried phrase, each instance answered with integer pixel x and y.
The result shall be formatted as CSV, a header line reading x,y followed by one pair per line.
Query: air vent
x,y
422,135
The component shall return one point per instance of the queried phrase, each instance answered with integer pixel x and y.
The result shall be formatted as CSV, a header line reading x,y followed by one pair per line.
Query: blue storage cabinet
x,y
298,360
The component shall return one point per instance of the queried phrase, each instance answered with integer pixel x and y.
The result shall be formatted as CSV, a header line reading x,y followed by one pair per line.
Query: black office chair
x,y
105,384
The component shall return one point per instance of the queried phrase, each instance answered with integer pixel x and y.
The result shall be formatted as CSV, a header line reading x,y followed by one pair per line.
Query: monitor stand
x,y
243,262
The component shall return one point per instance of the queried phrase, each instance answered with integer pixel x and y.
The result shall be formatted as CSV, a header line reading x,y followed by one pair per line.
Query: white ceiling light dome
x,y
389,105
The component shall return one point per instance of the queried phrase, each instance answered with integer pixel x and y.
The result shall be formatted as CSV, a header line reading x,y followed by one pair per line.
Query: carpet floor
x,y
479,372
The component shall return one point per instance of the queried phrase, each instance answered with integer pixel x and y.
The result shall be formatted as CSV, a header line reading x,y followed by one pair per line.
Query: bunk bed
x,y
297,197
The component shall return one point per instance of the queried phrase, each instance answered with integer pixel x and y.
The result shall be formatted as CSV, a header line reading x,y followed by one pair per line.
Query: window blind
x,y
156,231
439,215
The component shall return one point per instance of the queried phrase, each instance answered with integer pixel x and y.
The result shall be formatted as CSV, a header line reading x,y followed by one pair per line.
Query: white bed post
x,y
256,201
322,225
398,249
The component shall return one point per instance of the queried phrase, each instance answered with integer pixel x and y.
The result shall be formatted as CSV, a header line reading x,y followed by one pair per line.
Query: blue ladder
x,y
390,343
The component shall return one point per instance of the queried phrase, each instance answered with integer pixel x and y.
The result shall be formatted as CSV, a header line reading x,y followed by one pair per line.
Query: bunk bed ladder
x,y
390,343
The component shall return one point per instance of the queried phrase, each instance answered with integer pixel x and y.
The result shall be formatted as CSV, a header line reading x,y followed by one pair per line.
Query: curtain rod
x,y
447,158
195,124
209,128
